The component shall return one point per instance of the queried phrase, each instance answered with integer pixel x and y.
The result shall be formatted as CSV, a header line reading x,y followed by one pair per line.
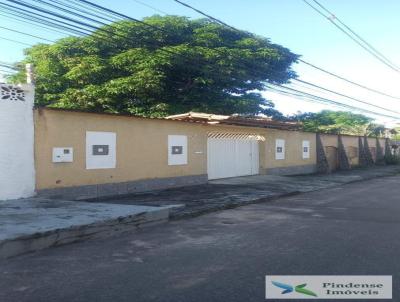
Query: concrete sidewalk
x,y
232,192
32,224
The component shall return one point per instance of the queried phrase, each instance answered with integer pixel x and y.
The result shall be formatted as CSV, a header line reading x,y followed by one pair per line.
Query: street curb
x,y
237,204
102,229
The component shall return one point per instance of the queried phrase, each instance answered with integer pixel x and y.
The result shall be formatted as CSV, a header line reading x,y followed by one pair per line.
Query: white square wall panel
x,y
177,150
280,149
101,150
306,149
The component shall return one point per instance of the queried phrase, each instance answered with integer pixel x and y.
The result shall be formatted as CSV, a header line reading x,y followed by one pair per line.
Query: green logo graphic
x,y
298,288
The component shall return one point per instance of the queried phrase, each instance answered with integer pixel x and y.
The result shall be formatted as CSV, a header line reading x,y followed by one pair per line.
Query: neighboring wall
x,y
350,144
382,142
141,152
331,145
351,147
17,174
372,147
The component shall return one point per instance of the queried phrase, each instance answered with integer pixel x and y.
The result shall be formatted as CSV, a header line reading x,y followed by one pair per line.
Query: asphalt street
x,y
223,256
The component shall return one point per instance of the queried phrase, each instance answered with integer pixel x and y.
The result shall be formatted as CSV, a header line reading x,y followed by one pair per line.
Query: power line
x,y
78,4
42,22
7,71
82,29
7,65
346,96
308,99
69,11
43,18
308,88
22,33
329,101
206,15
355,34
120,15
15,41
367,48
152,7
348,81
336,103
84,11
22,20
37,8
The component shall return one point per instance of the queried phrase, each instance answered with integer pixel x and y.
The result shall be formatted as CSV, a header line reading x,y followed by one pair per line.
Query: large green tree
x,y
339,122
129,67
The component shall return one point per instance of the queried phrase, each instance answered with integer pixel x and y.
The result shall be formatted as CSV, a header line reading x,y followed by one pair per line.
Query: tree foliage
x,y
339,122
127,67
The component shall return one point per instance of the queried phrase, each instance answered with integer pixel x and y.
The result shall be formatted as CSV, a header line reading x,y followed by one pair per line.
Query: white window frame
x,y
280,143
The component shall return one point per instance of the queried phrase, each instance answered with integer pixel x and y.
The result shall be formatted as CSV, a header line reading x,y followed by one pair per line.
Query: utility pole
x,y
30,76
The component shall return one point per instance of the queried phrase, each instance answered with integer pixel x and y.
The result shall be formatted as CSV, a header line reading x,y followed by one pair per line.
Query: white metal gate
x,y
232,156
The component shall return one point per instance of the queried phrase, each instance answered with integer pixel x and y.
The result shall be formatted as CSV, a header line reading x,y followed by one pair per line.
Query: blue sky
x,y
292,24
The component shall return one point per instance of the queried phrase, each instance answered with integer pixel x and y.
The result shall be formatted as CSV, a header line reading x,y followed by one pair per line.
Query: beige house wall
x,y
141,148
293,149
